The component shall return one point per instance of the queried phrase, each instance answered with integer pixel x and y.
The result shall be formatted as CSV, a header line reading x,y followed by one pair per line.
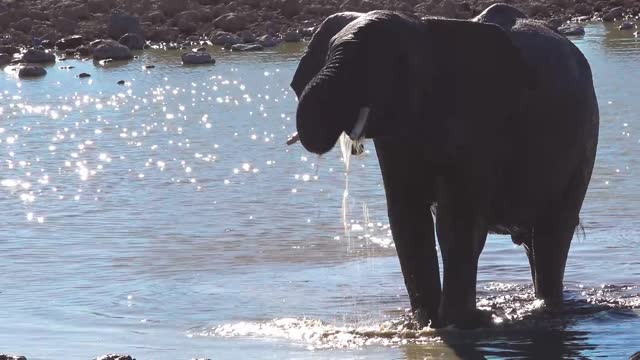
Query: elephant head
x,y
397,76
314,57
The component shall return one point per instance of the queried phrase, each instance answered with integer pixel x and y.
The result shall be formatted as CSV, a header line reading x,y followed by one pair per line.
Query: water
x,y
167,219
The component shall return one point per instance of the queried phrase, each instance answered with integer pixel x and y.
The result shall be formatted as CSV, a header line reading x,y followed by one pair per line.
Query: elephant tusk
x,y
358,129
293,139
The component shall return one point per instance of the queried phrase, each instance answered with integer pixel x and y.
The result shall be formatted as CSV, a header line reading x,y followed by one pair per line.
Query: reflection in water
x,y
136,215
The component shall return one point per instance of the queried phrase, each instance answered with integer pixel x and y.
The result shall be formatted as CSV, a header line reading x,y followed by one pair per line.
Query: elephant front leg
x,y
409,192
462,233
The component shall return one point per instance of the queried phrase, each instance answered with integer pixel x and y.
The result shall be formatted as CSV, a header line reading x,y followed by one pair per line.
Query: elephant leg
x,y
462,233
409,192
551,242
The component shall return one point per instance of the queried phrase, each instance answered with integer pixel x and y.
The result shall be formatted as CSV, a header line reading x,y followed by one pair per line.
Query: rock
x,y
555,23
121,82
571,29
83,50
173,7
95,43
197,58
247,36
70,42
149,66
5,59
613,14
132,40
268,41
70,52
156,17
9,49
188,21
307,32
223,38
37,56
627,25
66,67
38,15
635,356
114,357
290,8
12,357
32,71
75,12
109,49
65,26
23,25
84,75
231,22
247,47
583,9
99,6
121,24
292,36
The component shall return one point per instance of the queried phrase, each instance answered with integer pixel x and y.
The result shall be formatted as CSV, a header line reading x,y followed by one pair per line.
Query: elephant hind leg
x,y
548,258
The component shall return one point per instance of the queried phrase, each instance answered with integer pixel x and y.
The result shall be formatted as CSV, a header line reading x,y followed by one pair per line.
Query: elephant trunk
x,y
330,104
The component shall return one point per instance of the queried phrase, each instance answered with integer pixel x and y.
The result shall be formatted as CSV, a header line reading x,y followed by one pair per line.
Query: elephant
x,y
491,123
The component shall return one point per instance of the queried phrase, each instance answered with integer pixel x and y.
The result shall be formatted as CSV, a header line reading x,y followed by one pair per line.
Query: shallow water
x,y
167,219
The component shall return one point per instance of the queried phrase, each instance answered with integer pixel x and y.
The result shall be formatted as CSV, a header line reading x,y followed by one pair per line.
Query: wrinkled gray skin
x,y
498,126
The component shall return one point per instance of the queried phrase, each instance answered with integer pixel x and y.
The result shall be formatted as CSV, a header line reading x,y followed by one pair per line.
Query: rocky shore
x,y
72,24
103,357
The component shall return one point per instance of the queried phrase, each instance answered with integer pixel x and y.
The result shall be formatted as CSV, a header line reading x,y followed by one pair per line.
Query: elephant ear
x,y
315,56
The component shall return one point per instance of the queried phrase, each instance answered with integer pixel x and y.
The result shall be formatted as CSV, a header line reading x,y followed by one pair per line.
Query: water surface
x,y
167,219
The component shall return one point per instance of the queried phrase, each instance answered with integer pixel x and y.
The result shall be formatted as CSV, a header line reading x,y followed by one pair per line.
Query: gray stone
x,y
37,56
571,29
187,21
173,7
32,71
292,36
65,26
247,36
223,38
12,357
5,59
231,22
268,41
627,25
197,58
109,49
121,24
247,47
23,25
114,357
133,41
84,75
70,42
613,14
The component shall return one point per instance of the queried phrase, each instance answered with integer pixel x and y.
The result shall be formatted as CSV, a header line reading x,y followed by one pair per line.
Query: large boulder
x,y
247,36
156,17
133,41
9,49
173,7
109,49
31,71
11,357
197,58
187,21
70,42
122,24
231,22
37,56
114,357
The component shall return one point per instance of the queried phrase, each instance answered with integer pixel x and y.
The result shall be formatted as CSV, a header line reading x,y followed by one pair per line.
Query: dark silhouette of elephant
x,y
492,122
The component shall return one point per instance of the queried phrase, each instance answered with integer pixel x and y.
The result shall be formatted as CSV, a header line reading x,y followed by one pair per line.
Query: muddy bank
x,y
35,22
